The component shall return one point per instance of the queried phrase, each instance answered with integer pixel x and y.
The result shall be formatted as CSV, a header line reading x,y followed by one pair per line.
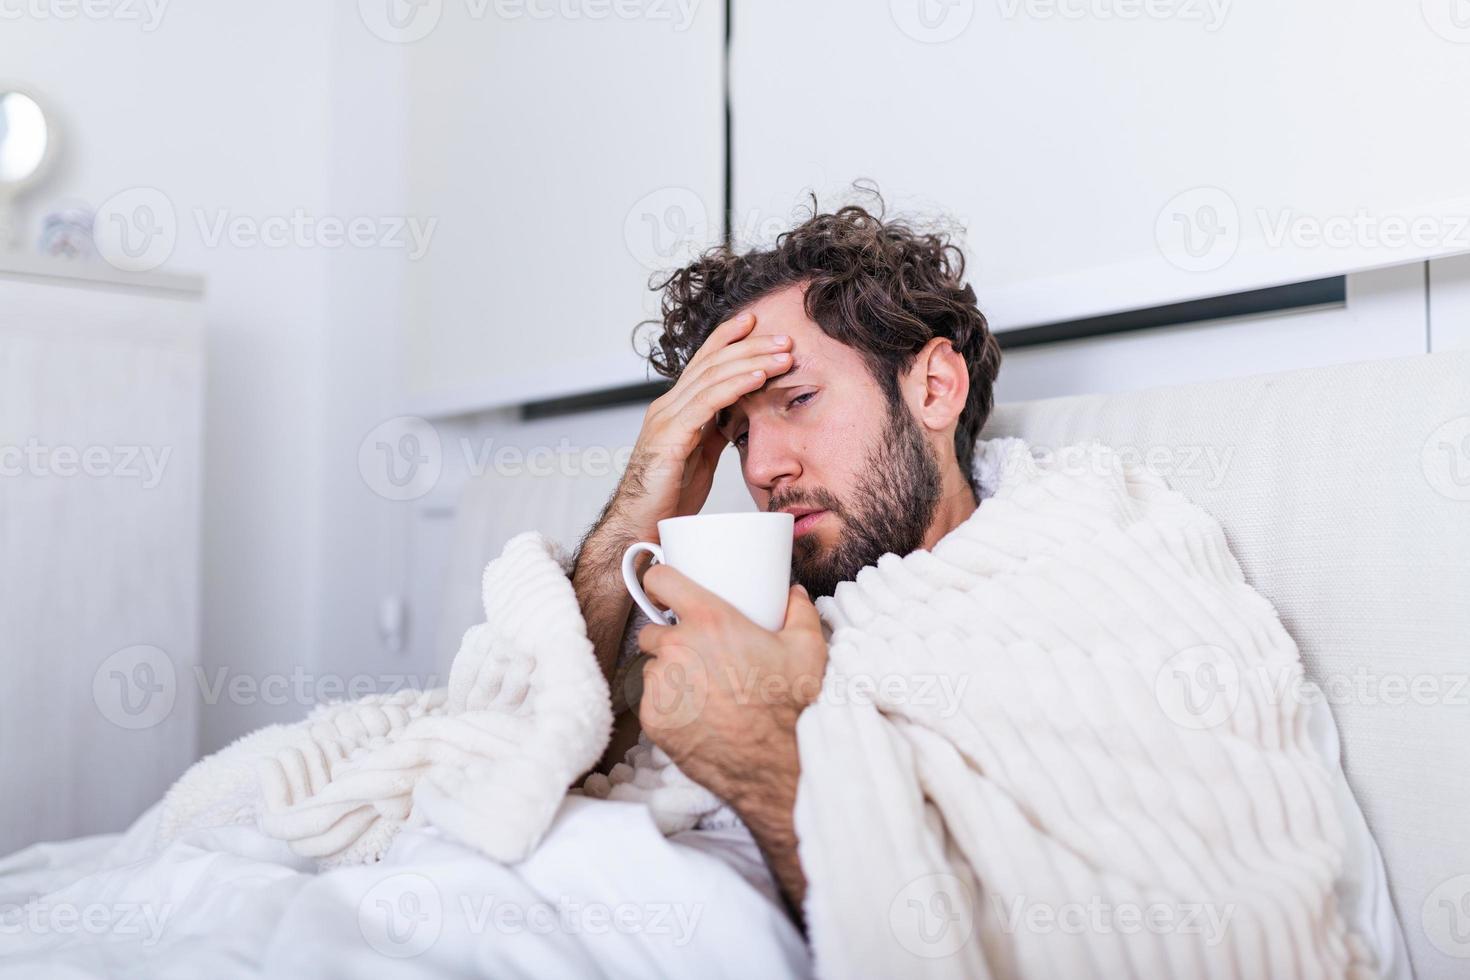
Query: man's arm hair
x,y
607,609
766,808
597,580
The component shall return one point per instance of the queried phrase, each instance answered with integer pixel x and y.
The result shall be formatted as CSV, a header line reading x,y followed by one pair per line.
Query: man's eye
x,y
800,399
739,441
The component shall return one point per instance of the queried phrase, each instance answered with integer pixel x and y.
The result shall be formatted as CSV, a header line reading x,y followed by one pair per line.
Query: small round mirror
x,y
25,139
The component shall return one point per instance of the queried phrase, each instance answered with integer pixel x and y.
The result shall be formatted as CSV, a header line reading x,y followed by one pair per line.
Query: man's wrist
x,y
598,583
613,533
766,804
770,785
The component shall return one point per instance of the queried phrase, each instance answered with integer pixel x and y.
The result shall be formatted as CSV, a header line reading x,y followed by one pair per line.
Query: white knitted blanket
x,y
488,759
1050,748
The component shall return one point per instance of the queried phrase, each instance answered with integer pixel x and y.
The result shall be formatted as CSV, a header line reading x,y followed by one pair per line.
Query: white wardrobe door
x,y
565,154
1384,316
1116,155
100,443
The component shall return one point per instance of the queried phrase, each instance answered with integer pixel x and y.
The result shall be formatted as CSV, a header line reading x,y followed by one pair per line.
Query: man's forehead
x,y
783,311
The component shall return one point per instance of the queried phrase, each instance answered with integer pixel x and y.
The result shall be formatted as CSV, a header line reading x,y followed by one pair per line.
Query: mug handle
x,y
635,588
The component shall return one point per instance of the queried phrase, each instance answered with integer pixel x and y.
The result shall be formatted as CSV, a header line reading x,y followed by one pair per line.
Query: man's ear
x,y
938,384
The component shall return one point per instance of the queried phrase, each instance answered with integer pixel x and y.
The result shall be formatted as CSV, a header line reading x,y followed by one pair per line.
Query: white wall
x,y
218,108
565,157
364,537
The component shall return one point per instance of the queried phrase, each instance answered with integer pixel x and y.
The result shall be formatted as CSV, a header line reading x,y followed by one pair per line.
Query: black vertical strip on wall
x,y
1428,312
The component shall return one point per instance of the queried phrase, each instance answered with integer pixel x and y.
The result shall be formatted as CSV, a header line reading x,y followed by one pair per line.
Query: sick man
x,y
852,370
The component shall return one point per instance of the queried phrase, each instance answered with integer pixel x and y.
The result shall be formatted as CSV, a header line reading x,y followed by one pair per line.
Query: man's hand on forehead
x,y
725,416
674,459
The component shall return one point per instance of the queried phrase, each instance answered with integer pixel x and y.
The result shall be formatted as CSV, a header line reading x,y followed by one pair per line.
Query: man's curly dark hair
x,y
878,285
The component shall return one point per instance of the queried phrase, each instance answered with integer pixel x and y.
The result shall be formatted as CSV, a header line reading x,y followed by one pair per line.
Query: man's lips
x,y
805,520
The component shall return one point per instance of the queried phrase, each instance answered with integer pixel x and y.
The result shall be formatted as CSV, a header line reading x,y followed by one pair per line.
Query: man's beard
x,y
891,510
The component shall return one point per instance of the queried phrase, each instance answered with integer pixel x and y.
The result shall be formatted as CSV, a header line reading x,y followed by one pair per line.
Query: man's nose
x,y
770,461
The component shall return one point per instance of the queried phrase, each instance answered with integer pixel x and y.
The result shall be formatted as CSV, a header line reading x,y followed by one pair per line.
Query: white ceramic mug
x,y
744,559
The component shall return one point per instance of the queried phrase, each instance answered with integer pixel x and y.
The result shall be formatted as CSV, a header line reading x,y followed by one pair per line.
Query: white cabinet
x,y
565,153
101,420
1118,155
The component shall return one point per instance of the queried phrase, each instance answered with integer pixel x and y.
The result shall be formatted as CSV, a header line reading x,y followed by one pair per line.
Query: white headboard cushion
x,y
1345,494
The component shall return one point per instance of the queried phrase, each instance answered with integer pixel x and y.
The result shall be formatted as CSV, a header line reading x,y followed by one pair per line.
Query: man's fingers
x,y
720,340
770,359
654,635
801,612
674,693
761,357
700,409
722,387
746,347
721,337
672,589
679,433
712,445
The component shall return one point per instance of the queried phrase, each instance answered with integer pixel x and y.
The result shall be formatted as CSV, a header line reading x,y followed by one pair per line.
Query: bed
x,y
1345,493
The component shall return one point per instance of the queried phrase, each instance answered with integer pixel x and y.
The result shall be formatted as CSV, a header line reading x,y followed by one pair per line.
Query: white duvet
x,y
605,894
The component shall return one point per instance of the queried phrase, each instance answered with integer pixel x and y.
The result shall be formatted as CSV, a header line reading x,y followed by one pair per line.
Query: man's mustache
x,y
816,498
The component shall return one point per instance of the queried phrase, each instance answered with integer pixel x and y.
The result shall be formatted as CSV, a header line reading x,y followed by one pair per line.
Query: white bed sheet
x,y
604,895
